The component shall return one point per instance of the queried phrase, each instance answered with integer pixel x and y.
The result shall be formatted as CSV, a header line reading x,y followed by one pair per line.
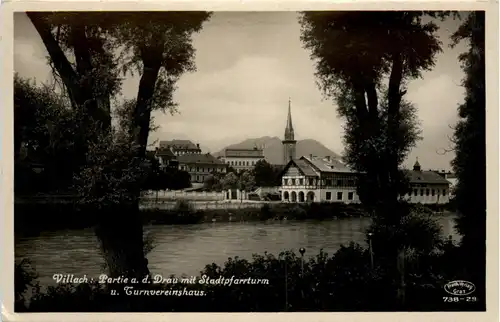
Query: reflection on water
x,y
187,249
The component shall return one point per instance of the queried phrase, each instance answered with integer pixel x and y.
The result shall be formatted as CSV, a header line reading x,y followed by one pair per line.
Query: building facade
x,y
200,166
311,179
242,159
427,187
166,158
180,147
289,142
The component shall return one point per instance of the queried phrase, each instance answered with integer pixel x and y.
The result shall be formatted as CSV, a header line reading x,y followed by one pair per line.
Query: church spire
x,y
289,135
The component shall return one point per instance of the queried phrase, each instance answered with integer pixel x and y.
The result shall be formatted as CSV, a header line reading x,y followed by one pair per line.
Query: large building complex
x,y
200,166
180,147
311,179
428,187
318,179
242,159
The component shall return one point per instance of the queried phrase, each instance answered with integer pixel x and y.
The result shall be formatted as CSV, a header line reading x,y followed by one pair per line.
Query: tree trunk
x,y
78,84
120,233
394,104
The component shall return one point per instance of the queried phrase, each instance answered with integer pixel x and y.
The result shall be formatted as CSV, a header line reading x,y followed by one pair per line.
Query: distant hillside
x,y
273,148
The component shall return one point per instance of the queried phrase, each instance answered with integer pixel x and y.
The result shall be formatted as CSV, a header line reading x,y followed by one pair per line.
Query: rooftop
x,y
206,158
327,165
425,177
164,152
244,153
179,145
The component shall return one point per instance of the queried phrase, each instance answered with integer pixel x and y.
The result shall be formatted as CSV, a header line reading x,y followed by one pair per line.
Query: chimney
x,y
327,158
198,145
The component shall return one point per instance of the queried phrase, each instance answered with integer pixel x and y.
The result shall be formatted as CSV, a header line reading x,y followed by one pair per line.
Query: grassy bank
x,y
30,218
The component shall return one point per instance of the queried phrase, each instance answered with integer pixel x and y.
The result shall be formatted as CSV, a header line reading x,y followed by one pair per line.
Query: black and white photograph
x,y
246,161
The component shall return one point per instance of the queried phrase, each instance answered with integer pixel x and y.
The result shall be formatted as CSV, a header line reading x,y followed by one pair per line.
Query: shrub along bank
x,y
345,281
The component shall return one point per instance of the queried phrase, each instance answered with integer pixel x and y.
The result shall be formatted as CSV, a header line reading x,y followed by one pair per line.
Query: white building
x,y
242,159
312,179
428,187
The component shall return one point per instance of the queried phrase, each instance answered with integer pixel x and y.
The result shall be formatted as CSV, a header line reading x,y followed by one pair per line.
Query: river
x,y
187,249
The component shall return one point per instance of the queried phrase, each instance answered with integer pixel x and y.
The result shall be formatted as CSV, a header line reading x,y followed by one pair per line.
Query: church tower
x,y
289,139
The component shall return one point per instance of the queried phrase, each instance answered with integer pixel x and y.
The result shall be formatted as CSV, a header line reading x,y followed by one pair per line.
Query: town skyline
x,y
245,78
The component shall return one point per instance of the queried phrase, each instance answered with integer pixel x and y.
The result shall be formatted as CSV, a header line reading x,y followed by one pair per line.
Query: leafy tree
x,y
354,53
266,175
213,182
177,179
246,181
45,132
88,50
229,181
470,148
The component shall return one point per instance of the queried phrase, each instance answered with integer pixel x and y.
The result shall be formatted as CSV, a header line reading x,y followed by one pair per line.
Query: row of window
x,y
182,152
428,192
311,182
242,163
340,195
201,169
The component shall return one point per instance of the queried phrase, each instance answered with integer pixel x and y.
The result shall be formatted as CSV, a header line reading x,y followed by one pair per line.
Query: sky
x,y
248,66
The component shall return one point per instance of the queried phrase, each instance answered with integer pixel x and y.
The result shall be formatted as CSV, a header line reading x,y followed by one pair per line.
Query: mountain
x,y
273,148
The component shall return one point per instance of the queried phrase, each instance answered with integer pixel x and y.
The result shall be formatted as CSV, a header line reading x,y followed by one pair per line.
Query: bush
x,y
342,282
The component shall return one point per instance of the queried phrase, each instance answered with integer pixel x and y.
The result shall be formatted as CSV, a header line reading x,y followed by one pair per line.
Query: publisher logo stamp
x,y
459,288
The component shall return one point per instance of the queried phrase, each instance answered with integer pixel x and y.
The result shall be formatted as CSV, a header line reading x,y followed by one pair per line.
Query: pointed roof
x,y
416,166
289,134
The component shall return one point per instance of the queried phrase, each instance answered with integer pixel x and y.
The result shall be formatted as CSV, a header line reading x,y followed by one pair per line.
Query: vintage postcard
x,y
263,160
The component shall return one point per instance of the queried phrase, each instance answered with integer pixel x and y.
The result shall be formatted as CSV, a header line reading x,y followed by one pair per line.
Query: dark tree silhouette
x,y
470,148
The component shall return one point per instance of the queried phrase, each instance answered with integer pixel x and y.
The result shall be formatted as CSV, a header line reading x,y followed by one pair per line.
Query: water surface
x,y
187,249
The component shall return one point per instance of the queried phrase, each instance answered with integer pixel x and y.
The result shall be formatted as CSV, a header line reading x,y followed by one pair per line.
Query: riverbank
x,y
31,218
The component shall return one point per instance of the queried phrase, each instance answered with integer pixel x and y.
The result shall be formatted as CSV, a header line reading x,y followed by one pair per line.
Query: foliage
x,y
246,181
24,281
46,132
416,231
266,175
213,182
470,148
229,181
342,282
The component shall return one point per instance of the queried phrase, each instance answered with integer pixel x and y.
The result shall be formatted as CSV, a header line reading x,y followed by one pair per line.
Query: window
x,y
328,182
427,192
301,182
197,169
351,183
433,192
293,182
310,181
437,192
328,196
350,195
339,182
421,192
444,192
415,192
339,195
197,178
